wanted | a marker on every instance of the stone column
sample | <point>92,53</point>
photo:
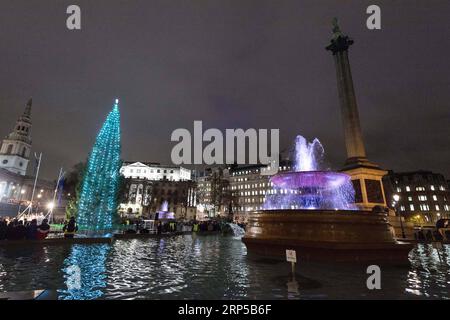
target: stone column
<point>349,111</point>
<point>366,176</point>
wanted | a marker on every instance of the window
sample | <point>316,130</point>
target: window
<point>432,188</point>
<point>409,198</point>
<point>437,207</point>
<point>9,151</point>
<point>442,188</point>
<point>5,161</point>
<point>420,189</point>
<point>408,188</point>
<point>411,207</point>
<point>424,207</point>
<point>402,208</point>
<point>446,207</point>
<point>434,197</point>
<point>422,198</point>
<point>399,189</point>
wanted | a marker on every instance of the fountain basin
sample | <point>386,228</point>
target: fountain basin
<point>310,179</point>
<point>324,235</point>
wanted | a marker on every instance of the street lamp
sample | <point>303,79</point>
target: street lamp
<point>396,198</point>
<point>50,206</point>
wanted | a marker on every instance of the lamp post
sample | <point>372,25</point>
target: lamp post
<point>396,198</point>
<point>22,192</point>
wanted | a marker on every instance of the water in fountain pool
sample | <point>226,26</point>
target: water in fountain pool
<point>207,267</point>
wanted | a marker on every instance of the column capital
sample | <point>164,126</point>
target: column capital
<point>339,44</point>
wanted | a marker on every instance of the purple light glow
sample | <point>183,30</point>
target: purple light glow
<point>307,187</point>
<point>310,179</point>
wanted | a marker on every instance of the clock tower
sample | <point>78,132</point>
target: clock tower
<point>16,147</point>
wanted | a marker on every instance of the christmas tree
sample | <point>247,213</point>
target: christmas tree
<point>98,199</point>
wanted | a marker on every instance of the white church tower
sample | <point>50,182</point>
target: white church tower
<point>16,147</point>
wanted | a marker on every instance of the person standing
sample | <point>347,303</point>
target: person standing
<point>70,229</point>
<point>43,230</point>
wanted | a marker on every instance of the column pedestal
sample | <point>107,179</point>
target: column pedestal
<point>368,185</point>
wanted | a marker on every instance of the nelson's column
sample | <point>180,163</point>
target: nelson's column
<point>366,176</point>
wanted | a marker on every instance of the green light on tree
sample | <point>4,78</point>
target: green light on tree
<point>98,200</point>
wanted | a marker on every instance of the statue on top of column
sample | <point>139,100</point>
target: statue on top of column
<point>336,29</point>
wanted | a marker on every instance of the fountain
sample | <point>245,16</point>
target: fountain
<point>312,211</point>
<point>308,187</point>
<point>164,212</point>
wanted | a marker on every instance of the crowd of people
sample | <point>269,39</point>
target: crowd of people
<point>16,229</point>
<point>24,229</point>
<point>172,226</point>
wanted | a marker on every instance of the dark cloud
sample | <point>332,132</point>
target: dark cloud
<point>231,64</point>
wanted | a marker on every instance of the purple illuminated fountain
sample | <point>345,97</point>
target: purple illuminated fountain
<point>164,212</point>
<point>309,187</point>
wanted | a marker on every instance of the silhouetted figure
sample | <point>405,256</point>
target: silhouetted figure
<point>159,227</point>
<point>32,230</point>
<point>43,230</point>
<point>3,228</point>
<point>20,231</point>
<point>420,235</point>
<point>70,229</point>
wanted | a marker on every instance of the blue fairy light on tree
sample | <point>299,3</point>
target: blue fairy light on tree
<point>98,199</point>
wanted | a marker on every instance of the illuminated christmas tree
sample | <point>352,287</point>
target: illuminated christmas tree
<point>98,199</point>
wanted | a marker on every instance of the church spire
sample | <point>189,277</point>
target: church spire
<point>27,112</point>
<point>15,149</point>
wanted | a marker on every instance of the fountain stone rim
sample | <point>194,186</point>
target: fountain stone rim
<point>310,179</point>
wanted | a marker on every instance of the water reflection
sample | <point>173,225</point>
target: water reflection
<point>208,267</point>
<point>85,272</point>
<point>429,276</point>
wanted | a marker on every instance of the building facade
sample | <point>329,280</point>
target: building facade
<point>234,191</point>
<point>249,188</point>
<point>149,185</point>
<point>154,172</point>
<point>424,195</point>
<point>214,194</point>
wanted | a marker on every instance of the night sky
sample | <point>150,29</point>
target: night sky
<point>232,64</point>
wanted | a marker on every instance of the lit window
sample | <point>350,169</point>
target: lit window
<point>408,188</point>
<point>434,197</point>
<point>442,188</point>
<point>432,187</point>
<point>424,207</point>
<point>402,208</point>
<point>422,198</point>
<point>411,207</point>
<point>399,189</point>
<point>409,198</point>
<point>437,207</point>
<point>420,189</point>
